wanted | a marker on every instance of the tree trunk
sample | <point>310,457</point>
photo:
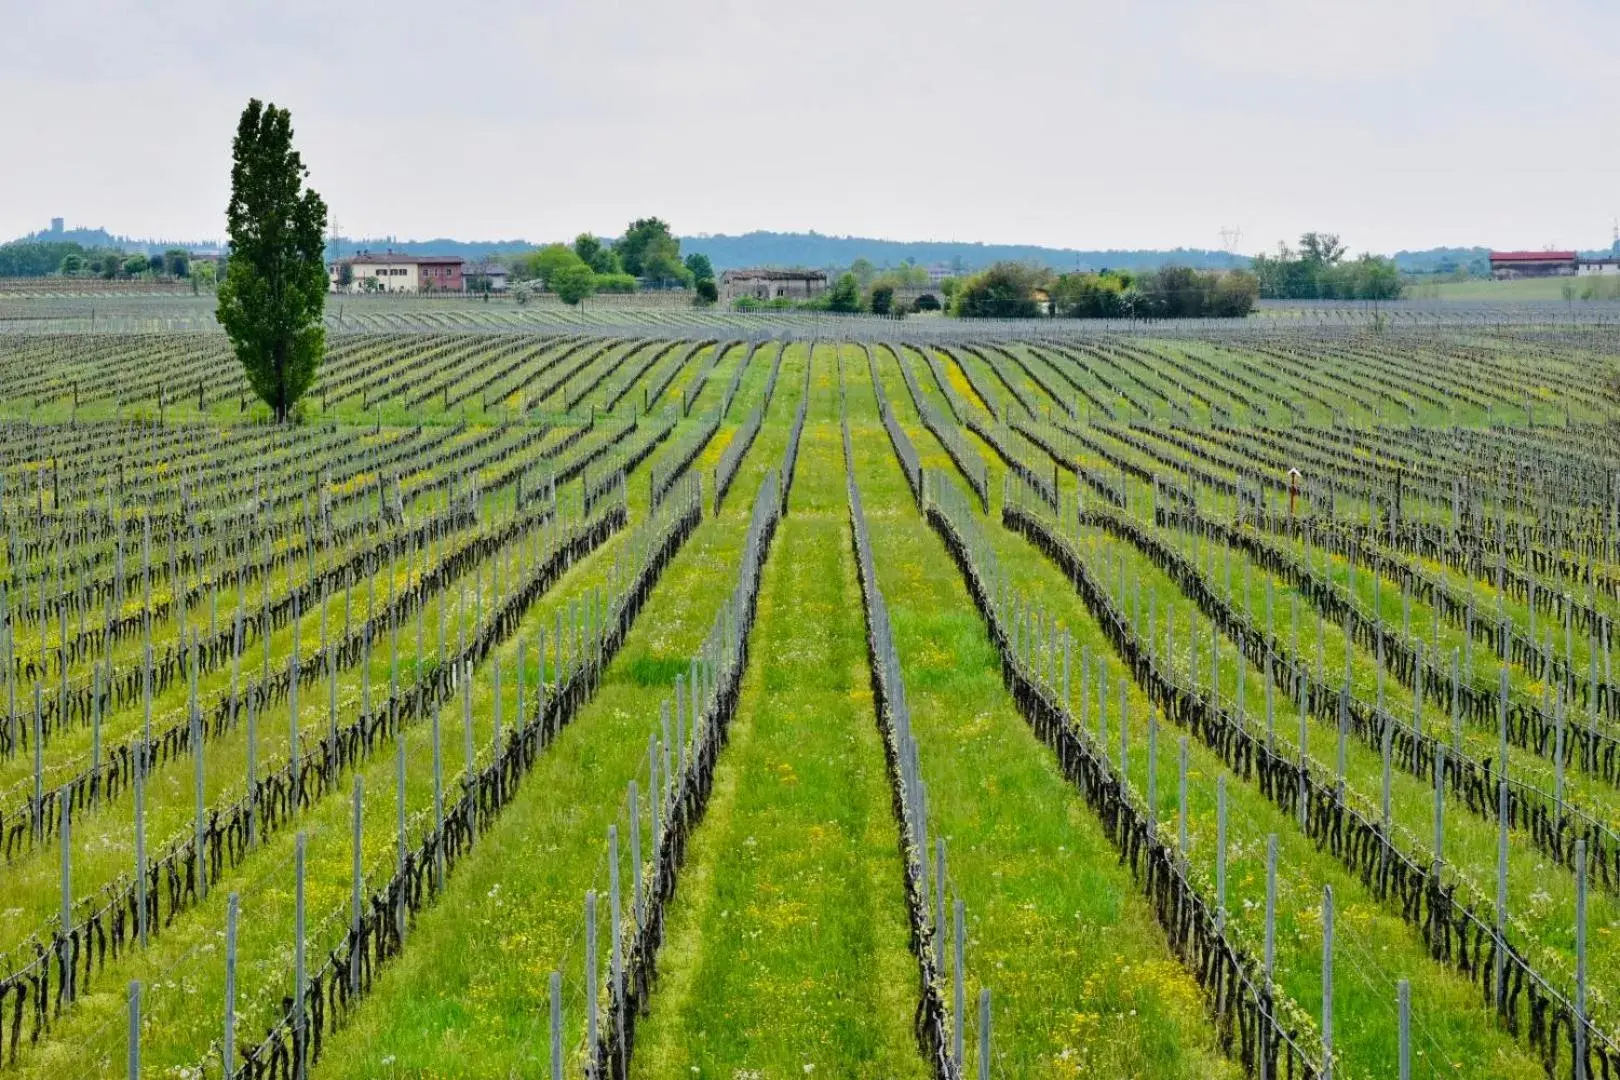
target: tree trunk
<point>281,381</point>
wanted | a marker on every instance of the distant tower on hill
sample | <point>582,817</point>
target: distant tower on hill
<point>56,226</point>
<point>1615,247</point>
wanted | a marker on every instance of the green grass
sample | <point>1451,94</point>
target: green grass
<point>786,945</point>
<point>1082,981</point>
<point>515,910</point>
<point>182,965</point>
<point>786,948</point>
<point>1375,940</point>
<point>1516,290</point>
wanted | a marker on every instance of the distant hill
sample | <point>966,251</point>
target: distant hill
<point>813,249</point>
<point>99,239</point>
<point>471,250</point>
<point>1446,260</point>
<point>818,250</point>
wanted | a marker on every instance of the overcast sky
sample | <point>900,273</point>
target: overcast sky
<point>1080,124</point>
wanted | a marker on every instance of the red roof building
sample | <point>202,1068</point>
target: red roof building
<point>397,272</point>
<point>1513,264</point>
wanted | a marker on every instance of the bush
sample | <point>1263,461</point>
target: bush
<point>1319,271</point>
<point>706,292</point>
<point>845,296</point>
<point>572,283</point>
<point>615,283</point>
<point>882,299</point>
<point>749,303</point>
<point>926,302</point>
<point>1174,292</point>
<point>1235,295</point>
<point>1004,291</point>
<point>1108,295</point>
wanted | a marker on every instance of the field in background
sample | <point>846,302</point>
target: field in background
<point>1519,290</point>
<point>769,641</point>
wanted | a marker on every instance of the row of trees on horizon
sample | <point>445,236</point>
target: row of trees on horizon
<point>68,258</point>
<point>272,293</point>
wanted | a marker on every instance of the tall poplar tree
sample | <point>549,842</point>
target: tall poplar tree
<point>274,290</point>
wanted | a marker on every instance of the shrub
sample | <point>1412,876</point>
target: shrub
<point>845,296</point>
<point>615,283</point>
<point>1004,291</point>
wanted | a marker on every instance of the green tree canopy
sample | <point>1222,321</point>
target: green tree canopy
<point>1108,295</point>
<point>615,283</point>
<point>33,258</point>
<point>664,265</point>
<point>1375,278</point>
<point>572,283</point>
<point>545,263</point>
<point>274,292</point>
<point>649,249</point>
<point>699,266</point>
<point>1319,271</point>
<point>177,262</point>
<point>1321,247</point>
<point>1173,292</point>
<point>1234,295</point>
<point>1006,290</point>
<point>845,295</point>
<point>706,292</point>
<point>597,255</point>
<point>882,299</point>
<point>136,264</point>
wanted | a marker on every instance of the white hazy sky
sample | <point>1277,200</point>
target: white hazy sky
<point>1398,123</point>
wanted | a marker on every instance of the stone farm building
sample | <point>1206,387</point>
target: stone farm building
<point>396,273</point>
<point>766,284</point>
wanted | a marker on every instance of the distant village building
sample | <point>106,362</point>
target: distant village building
<point>1517,264</point>
<point>396,273</point>
<point>485,277</point>
<point>938,273</point>
<point>762,283</point>
<point>1608,266</point>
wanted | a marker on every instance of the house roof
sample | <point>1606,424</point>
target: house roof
<point>392,258</point>
<point>1532,256</point>
<point>772,274</point>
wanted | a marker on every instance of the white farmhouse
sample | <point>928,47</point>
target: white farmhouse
<point>393,272</point>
